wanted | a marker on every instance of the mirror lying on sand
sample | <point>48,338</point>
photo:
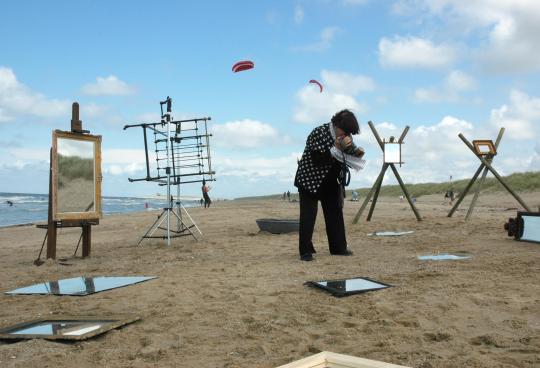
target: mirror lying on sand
<point>80,286</point>
<point>442,257</point>
<point>525,227</point>
<point>64,328</point>
<point>390,233</point>
<point>76,176</point>
<point>346,287</point>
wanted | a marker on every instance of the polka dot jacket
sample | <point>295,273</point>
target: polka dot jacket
<point>316,160</point>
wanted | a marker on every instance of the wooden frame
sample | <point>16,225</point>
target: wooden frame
<point>83,215</point>
<point>328,359</point>
<point>480,143</point>
<point>111,322</point>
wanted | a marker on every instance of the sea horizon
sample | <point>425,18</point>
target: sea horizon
<point>28,208</point>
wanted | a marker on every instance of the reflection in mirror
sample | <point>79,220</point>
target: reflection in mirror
<point>74,328</point>
<point>392,153</point>
<point>531,228</point>
<point>76,177</point>
<point>65,327</point>
<point>81,285</point>
<point>349,286</point>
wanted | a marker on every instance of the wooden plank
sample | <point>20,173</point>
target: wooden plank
<point>328,359</point>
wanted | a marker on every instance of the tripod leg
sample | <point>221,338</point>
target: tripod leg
<point>402,185</point>
<point>368,197</point>
<point>152,228</point>
<point>376,194</point>
<point>465,191</point>
<point>476,193</point>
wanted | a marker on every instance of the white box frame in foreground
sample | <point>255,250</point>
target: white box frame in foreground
<point>328,359</point>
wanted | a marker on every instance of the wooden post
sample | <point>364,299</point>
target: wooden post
<point>376,194</point>
<point>86,239</point>
<point>465,191</point>
<point>402,185</point>
<point>366,201</point>
<point>51,225</point>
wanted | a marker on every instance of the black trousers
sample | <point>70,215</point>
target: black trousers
<point>207,200</point>
<point>330,197</point>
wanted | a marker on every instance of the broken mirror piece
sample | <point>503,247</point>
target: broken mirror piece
<point>64,328</point>
<point>80,286</point>
<point>442,257</point>
<point>346,287</point>
<point>390,233</point>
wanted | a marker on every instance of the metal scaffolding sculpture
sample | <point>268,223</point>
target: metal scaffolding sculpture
<point>485,150</point>
<point>182,155</point>
<point>390,158</point>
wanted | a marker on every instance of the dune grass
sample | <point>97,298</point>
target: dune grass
<point>520,182</point>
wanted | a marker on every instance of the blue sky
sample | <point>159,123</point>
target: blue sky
<point>442,67</point>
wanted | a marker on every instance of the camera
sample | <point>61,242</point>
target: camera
<point>352,149</point>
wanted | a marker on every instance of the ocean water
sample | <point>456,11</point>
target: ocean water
<point>31,208</point>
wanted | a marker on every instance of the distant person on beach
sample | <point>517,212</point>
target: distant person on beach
<point>329,148</point>
<point>284,195</point>
<point>354,196</point>
<point>202,202</point>
<point>289,195</point>
<point>9,203</point>
<point>205,189</point>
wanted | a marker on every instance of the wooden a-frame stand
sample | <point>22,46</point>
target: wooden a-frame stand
<point>486,166</point>
<point>53,225</point>
<point>377,186</point>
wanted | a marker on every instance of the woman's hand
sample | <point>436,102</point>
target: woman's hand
<point>342,142</point>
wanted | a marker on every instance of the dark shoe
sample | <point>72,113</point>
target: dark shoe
<point>306,257</point>
<point>345,253</point>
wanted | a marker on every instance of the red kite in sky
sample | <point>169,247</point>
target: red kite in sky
<point>242,65</point>
<point>317,83</point>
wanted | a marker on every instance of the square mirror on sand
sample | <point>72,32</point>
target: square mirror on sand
<point>346,287</point>
<point>442,257</point>
<point>64,328</point>
<point>390,233</point>
<point>81,286</point>
<point>328,359</point>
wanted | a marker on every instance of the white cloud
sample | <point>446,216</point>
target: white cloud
<point>456,83</point>
<point>326,37</point>
<point>279,169</point>
<point>246,133</point>
<point>508,30</point>
<point>415,52</point>
<point>298,14</point>
<point>340,91</point>
<point>520,118</point>
<point>16,99</point>
<point>347,83</point>
<point>108,86</point>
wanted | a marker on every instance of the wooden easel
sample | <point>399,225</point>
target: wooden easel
<point>377,186</point>
<point>52,225</point>
<point>486,166</point>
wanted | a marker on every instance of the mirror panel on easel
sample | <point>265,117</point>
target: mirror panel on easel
<point>76,176</point>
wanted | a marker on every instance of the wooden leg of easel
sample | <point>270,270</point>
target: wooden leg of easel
<point>376,194</point>
<point>51,240</point>
<point>465,191</point>
<point>476,193</point>
<point>87,239</point>
<point>368,197</point>
<point>402,185</point>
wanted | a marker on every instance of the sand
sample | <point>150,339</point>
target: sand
<point>236,298</point>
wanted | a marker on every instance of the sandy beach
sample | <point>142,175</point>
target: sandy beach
<point>237,297</point>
